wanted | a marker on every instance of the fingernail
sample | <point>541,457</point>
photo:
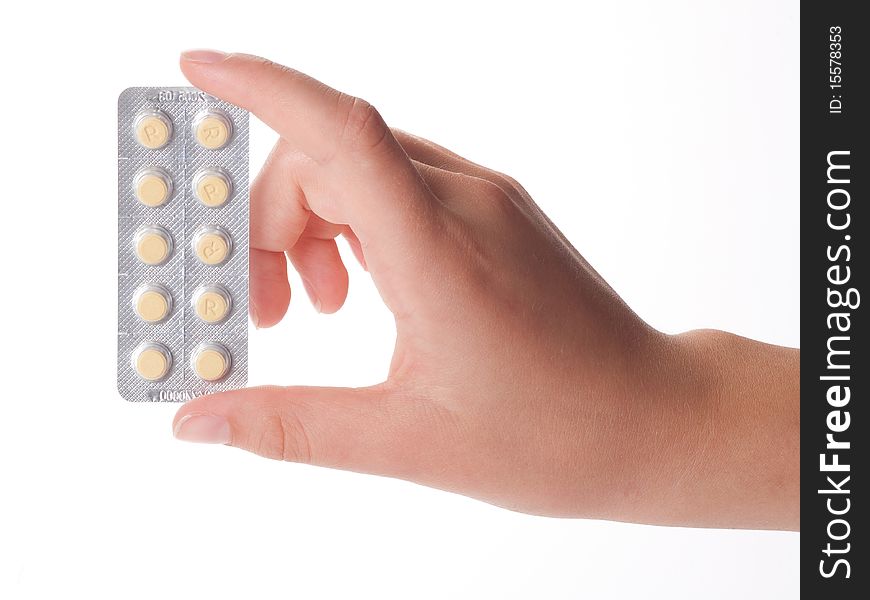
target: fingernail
<point>255,317</point>
<point>314,299</point>
<point>204,429</point>
<point>203,56</point>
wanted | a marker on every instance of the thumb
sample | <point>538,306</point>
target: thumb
<point>372,430</point>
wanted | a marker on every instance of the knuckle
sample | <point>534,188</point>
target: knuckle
<point>273,66</point>
<point>511,183</point>
<point>493,193</point>
<point>364,128</point>
<point>284,437</point>
<point>269,70</point>
<point>497,204</point>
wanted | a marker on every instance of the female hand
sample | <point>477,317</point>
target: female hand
<point>519,376</point>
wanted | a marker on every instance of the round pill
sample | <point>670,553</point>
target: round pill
<point>211,303</point>
<point>151,360</point>
<point>152,302</point>
<point>152,129</point>
<point>212,129</point>
<point>212,245</point>
<point>212,187</point>
<point>210,361</point>
<point>153,245</point>
<point>152,187</point>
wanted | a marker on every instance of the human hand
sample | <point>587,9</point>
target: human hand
<point>519,376</point>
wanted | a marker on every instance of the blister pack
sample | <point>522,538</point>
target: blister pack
<point>183,202</point>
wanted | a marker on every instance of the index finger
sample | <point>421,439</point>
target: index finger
<point>344,135</point>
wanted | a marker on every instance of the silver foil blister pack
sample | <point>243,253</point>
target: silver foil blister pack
<point>183,201</point>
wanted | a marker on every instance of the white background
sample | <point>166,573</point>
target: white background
<point>661,137</point>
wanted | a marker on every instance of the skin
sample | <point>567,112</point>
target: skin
<point>519,376</point>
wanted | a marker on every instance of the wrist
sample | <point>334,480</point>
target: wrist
<point>724,433</point>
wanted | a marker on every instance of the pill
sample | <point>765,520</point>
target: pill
<point>211,303</point>
<point>152,302</point>
<point>210,361</point>
<point>212,129</point>
<point>152,129</point>
<point>151,360</point>
<point>212,187</point>
<point>212,245</point>
<point>153,245</point>
<point>152,187</point>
